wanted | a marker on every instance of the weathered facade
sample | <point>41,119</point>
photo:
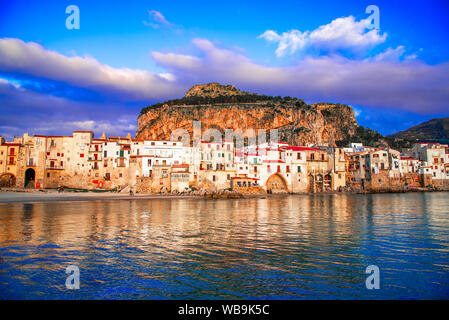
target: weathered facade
<point>152,166</point>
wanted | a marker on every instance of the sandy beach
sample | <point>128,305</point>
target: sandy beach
<point>14,197</point>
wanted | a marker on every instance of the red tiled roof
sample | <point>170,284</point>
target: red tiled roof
<point>408,158</point>
<point>293,148</point>
<point>11,144</point>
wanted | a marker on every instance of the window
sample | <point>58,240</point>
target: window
<point>322,157</point>
<point>105,154</point>
<point>255,169</point>
<point>298,156</point>
<point>149,162</point>
<point>279,168</point>
<point>48,153</point>
<point>58,154</point>
<point>213,178</point>
<point>81,155</point>
<point>312,156</point>
<point>288,169</point>
<point>52,164</point>
<point>62,163</point>
<point>229,177</point>
<point>11,151</point>
<point>48,174</point>
<point>11,160</point>
<point>299,169</point>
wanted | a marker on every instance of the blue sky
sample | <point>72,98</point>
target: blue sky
<point>127,55</point>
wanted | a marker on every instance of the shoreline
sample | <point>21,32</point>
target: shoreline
<point>22,196</point>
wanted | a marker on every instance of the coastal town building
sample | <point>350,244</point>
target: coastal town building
<point>81,161</point>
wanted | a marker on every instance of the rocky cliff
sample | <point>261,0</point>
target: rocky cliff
<point>225,107</point>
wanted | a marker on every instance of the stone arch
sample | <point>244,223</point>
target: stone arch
<point>30,178</point>
<point>7,180</point>
<point>276,183</point>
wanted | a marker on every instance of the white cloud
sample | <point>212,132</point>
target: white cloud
<point>34,112</point>
<point>156,19</point>
<point>184,61</point>
<point>32,59</point>
<point>341,33</point>
<point>410,85</point>
<point>102,126</point>
<point>390,54</point>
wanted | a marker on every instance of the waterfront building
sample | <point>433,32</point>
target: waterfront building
<point>118,163</point>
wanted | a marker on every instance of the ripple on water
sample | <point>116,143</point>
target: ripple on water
<point>292,247</point>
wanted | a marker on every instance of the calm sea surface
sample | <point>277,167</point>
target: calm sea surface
<point>293,247</point>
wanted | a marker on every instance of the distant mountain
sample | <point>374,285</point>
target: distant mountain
<point>435,130</point>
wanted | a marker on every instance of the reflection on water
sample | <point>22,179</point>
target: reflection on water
<point>294,247</point>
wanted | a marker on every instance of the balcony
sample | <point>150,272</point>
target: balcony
<point>96,150</point>
<point>315,159</point>
<point>55,167</point>
<point>30,163</point>
<point>95,159</point>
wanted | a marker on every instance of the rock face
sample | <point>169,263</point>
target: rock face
<point>225,107</point>
<point>213,90</point>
